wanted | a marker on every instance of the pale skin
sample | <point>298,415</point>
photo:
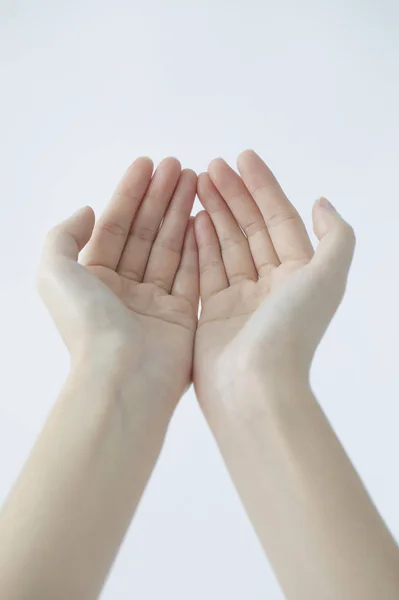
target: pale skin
<point>128,315</point>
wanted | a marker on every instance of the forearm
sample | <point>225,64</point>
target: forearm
<point>66,517</point>
<point>309,508</point>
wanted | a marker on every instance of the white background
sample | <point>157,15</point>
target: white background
<point>86,86</point>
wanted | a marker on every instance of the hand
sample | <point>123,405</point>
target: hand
<point>267,298</point>
<point>135,297</point>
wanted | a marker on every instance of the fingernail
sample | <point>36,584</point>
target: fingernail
<point>324,203</point>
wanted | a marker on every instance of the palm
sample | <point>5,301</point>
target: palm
<point>151,270</point>
<point>250,246</point>
<point>225,315</point>
<point>146,301</point>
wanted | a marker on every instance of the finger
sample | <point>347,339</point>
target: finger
<point>69,290</point>
<point>145,226</point>
<point>286,228</point>
<point>69,237</point>
<point>213,277</point>
<point>166,251</point>
<point>335,250</point>
<point>112,228</point>
<point>59,279</point>
<point>246,212</point>
<point>327,272</point>
<point>236,253</point>
<point>186,283</point>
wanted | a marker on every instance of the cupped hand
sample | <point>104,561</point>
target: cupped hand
<point>135,295</point>
<point>267,297</point>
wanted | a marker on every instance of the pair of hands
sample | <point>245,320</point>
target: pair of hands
<point>128,313</point>
<point>266,296</point>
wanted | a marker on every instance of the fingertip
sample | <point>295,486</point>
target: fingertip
<point>84,218</point>
<point>326,218</point>
<point>189,172</point>
<point>326,205</point>
<point>189,176</point>
<point>144,160</point>
<point>246,153</point>
<point>142,164</point>
<point>203,177</point>
<point>70,236</point>
<point>215,165</point>
<point>245,156</point>
<point>204,229</point>
<point>170,162</point>
<point>90,212</point>
<point>203,183</point>
<point>83,210</point>
<point>323,209</point>
<point>200,217</point>
<point>321,219</point>
<point>81,225</point>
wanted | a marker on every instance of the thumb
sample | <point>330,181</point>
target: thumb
<point>60,280</point>
<point>69,237</point>
<point>335,250</point>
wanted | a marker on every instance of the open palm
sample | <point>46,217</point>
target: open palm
<point>260,279</point>
<point>138,278</point>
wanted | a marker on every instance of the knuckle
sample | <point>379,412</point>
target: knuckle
<point>209,266</point>
<point>173,245</point>
<point>280,216</point>
<point>253,227</point>
<point>160,283</point>
<point>144,233</point>
<point>264,188</point>
<point>237,277</point>
<point>265,269</point>
<point>226,243</point>
<point>131,274</point>
<point>113,228</point>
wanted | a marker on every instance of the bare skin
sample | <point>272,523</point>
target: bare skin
<point>267,299</point>
<point>260,280</point>
<point>128,315</point>
<point>150,298</point>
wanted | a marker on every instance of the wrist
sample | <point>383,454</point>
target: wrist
<point>112,373</point>
<point>107,354</point>
<point>247,393</point>
<point>126,361</point>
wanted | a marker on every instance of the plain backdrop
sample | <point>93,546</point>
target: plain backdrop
<point>86,87</point>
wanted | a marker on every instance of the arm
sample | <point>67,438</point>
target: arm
<point>128,316</point>
<point>65,519</point>
<point>267,299</point>
<point>308,506</point>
